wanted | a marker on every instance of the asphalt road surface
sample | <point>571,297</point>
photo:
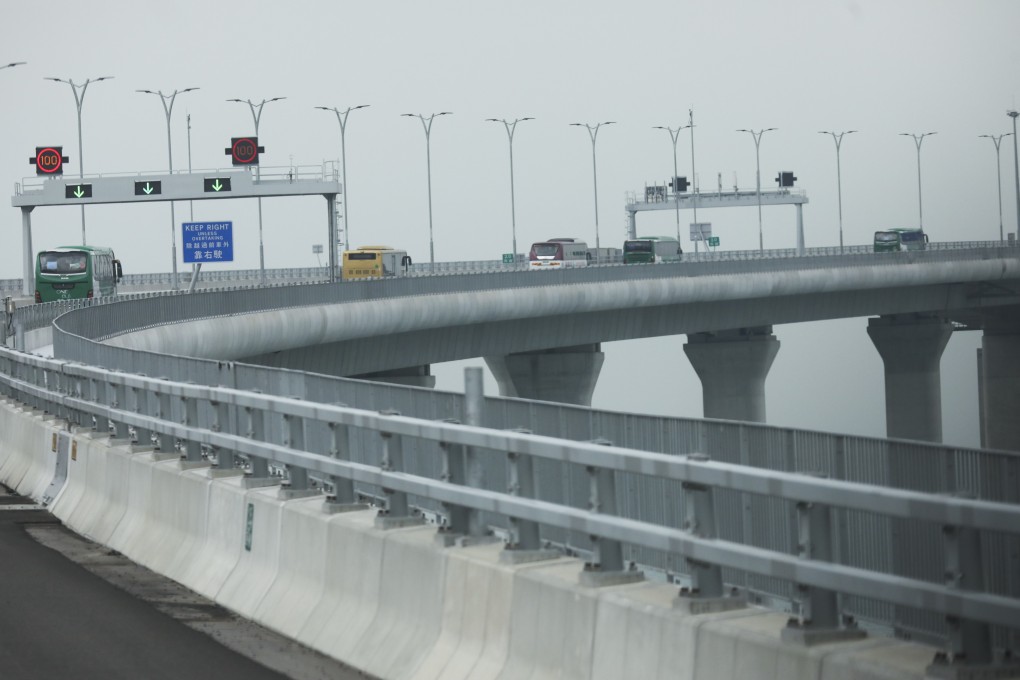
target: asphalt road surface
<point>72,609</point>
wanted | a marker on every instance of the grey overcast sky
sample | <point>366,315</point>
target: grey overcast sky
<point>878,66</point>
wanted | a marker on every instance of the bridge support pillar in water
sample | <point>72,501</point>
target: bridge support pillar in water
<point>732,366</point>
<point>1000,376</point>
<point>911,348</point>
<point>562,374</point>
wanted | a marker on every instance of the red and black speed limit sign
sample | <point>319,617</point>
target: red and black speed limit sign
<point>244,150</point>
<point>49,160</point>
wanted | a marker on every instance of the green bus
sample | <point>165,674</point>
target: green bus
<point>900,238</point>
<point>72,272</point>
<point>651,249</point>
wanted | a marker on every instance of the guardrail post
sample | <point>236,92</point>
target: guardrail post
<point>221,423</point>
<point>462,466</point>
<point>139,403</point>
<point>706,592</point>
<point>606,566</point>
<point>969,653</point>
<point>524,543</point>
<point>120,429</point>
<point>819,620</point>
<point>193,450</point>
<point>294,438</point>
<point>256,430</point>
<point>343,498</point>
<point>397,512</point>
<point>164,441</point>
<point>99,397</point>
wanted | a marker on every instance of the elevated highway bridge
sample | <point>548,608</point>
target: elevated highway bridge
<point>729,510</point>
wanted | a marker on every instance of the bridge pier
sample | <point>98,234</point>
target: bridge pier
<point>1000,375</point>
<point>911,348</point>
<point>732,366</point>
<point>562,374</point>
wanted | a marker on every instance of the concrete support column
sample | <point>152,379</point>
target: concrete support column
<point>27,256</point>
<point>563,374</point>
<point>1000,378</point>
<point>732,366</point>
<point>911,349</point>
<point>414,376</point>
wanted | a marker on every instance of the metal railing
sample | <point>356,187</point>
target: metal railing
<point>414,466</point>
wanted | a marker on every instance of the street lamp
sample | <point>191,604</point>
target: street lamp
<point>838,138</point>
<point>998,170</point>
<point>256,114</point>
<point>168,107</point>
<point>674,134</point>
<point>917,142</point>
<point>426,124</point>
<point>341,117</point>
<point>510,128</point>
<point>757,163</point>
<point>593,132</point>
<point>1016,172</point>
<point>79,98</point>
<point>13,63</point>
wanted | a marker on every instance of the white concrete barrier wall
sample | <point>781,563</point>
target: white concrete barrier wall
<point>395,603</point>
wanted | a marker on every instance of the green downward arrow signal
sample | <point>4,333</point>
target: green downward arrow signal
<point>216,186</point>
<point>147,188</point>
<point>78,191</point>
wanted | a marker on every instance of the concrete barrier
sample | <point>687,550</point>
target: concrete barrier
<point>396,604</point>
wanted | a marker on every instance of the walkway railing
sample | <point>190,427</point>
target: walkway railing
<point>412,466</point>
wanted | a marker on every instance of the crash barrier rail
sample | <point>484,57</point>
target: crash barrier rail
<point>489,481</point>
<point>235,277</point>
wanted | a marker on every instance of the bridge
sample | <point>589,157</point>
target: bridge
<point>844,535</point>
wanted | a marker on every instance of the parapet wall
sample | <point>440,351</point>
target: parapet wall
<point>396,603</point>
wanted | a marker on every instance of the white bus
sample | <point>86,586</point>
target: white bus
<point>556,253</point>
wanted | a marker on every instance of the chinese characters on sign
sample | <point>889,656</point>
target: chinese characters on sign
<point>208,241</point>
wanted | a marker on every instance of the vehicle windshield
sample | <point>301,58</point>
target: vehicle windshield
<point>912,236</point>
<point>361,256</point>
<point>886,236</point>
<point>63,263</point>
<point>546,250</point>
<point>637,246</point>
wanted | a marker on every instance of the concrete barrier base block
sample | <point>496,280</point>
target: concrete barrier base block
<point>122,441</point>
<point>160,456</point>
<point>795,633</point>
<point>512,556</point>
<point>707,605</point>
<point>293,494</point>
<point>590,578</point>
<point>386,522</point>
<point>135,448</point>
<point>260,482</point>
<point>332,507</point>
<point>193,464</point>
<point>944,670</point>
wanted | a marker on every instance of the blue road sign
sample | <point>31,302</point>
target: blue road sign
<point>208,241</point>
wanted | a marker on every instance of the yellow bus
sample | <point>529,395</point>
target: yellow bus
<point>374,262</point>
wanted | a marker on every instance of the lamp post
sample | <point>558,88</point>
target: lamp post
<point>13,63</point>
<point>674,134</point>
<point>426,124</point>
<point>757,164</point>
<point>168,107</point>
<point>838,138</point>
<point>79,98</point>
<point>341,117</point>
<point>998,172</point>
<point>593,133</point>
<point>510,128</point>
<point>256,114</point>
<point>917,143</point>
<point>1016,172</point>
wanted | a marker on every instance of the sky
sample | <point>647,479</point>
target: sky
<point>881,67</point>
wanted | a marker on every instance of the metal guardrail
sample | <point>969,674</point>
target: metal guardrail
<point>367,458</point>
